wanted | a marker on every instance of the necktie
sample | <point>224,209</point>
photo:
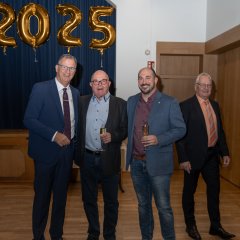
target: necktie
<point>212,138</point>
<point>66,110</point>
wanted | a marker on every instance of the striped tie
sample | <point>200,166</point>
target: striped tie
<point>66,110</point>
<point>212,128</point>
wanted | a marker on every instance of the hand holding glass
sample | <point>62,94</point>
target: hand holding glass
<point>145,131</point>
<point>103,130</point>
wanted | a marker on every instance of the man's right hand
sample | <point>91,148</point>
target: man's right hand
<point>186,166</point>
<point>61,139</point>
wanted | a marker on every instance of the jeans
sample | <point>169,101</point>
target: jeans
<point>159,186</point>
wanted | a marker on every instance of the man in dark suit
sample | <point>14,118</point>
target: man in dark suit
<point>51,145</point>
<point>159,118</point>
<point>99,156</point>
<point>199,153</point>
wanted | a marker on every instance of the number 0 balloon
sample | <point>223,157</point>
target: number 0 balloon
<point>23,22</point>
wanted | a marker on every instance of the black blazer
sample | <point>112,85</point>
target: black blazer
<point>116,124</point>
<point>194,145</point>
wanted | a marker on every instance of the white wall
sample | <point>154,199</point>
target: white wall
<point>141,23</point>
<point>222,15</point>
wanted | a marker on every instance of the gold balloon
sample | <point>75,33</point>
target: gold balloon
<point>23,22</point>
<point>63,36</point>
<point>98,26</point>
<point>5,24</point>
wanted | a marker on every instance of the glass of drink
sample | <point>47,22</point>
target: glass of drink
<point>145,131</point>
<point>103,130</point>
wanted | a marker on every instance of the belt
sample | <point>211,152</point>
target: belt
<point>93,152</point>
<point>140,157</point>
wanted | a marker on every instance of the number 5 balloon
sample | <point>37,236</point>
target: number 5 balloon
<point>96,25</point>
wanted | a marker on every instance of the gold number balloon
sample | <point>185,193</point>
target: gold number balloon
<point>5,24</point>
<point>63,36</point>
<point>96,25</point>
<point>23,22</point>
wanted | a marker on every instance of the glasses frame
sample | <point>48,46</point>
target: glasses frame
<point>66,68</point>
<point>202,85</point>
<point>96,82</point>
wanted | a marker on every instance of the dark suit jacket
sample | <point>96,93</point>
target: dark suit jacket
<point>116,124</point>
<point>43,117</point>
<point>193,147</point>
<point>166,122</point>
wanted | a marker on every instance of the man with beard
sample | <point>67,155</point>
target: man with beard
<point>159,118</point>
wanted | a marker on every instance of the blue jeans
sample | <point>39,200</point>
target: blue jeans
<point>159,186</point>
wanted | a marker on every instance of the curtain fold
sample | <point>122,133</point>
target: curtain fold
<point>19,69</point>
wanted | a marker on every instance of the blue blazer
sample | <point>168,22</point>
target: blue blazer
<point>166,122</point>
<point>43,117</point>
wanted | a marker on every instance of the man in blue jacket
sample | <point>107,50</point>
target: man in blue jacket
<point>51,117</point>
<point>151,156</point>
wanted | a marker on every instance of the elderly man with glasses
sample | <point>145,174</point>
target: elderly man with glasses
<point>51,117</point>
<point>199,151</point>
<point>103,126</point>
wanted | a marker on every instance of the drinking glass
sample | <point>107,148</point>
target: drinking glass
<point>102,131</point>
<point>145,131</point>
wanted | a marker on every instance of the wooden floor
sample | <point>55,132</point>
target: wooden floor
<point>16,207</point>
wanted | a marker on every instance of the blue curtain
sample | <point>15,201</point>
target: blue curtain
<point>19,69</point>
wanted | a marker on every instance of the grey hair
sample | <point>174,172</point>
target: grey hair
<point>203,74</point>
<point>68,56</point>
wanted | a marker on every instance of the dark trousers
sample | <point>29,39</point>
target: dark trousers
<point>211,176</point>
<point>51,180</point>
<point>91,176</point>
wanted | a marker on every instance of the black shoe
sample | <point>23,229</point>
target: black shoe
<point>221,233</point>
<point>91,237</point>
<point>193,232</point>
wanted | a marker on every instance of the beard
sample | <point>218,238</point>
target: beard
<point>148,89</point>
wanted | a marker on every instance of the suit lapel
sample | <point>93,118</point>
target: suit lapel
<point>132,110</point>
<point>55,95</point>
<point>112,106</point>
<point>75,105</point>
<point>85,105</point>
<point>199,113</point>
<point>155,107</point>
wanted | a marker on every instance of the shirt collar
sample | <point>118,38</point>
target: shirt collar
<point>151,98</point>
<point>105,98</point>
<point>60,87</point>
<point>201,100</point>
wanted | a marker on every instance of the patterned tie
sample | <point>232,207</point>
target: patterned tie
<point>212,128</point>
<point>66,110</point>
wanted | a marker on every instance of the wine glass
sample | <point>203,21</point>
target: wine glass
<point>145,131</point>
<point>103,130</point>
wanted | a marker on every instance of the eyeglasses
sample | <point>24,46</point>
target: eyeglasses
<point>97,82</point>
<point>66,68</point>
<point>202,85</point>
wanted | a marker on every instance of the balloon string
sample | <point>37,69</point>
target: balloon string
<point>101,61</point>
<point>5,50</point>
<point>35,55</point>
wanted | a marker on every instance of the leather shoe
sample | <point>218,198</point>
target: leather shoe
<point>193,232</point>
<point>221,233</point>
<point>91,237</point>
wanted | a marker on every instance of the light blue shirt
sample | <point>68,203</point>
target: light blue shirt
<point>97,115</point>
